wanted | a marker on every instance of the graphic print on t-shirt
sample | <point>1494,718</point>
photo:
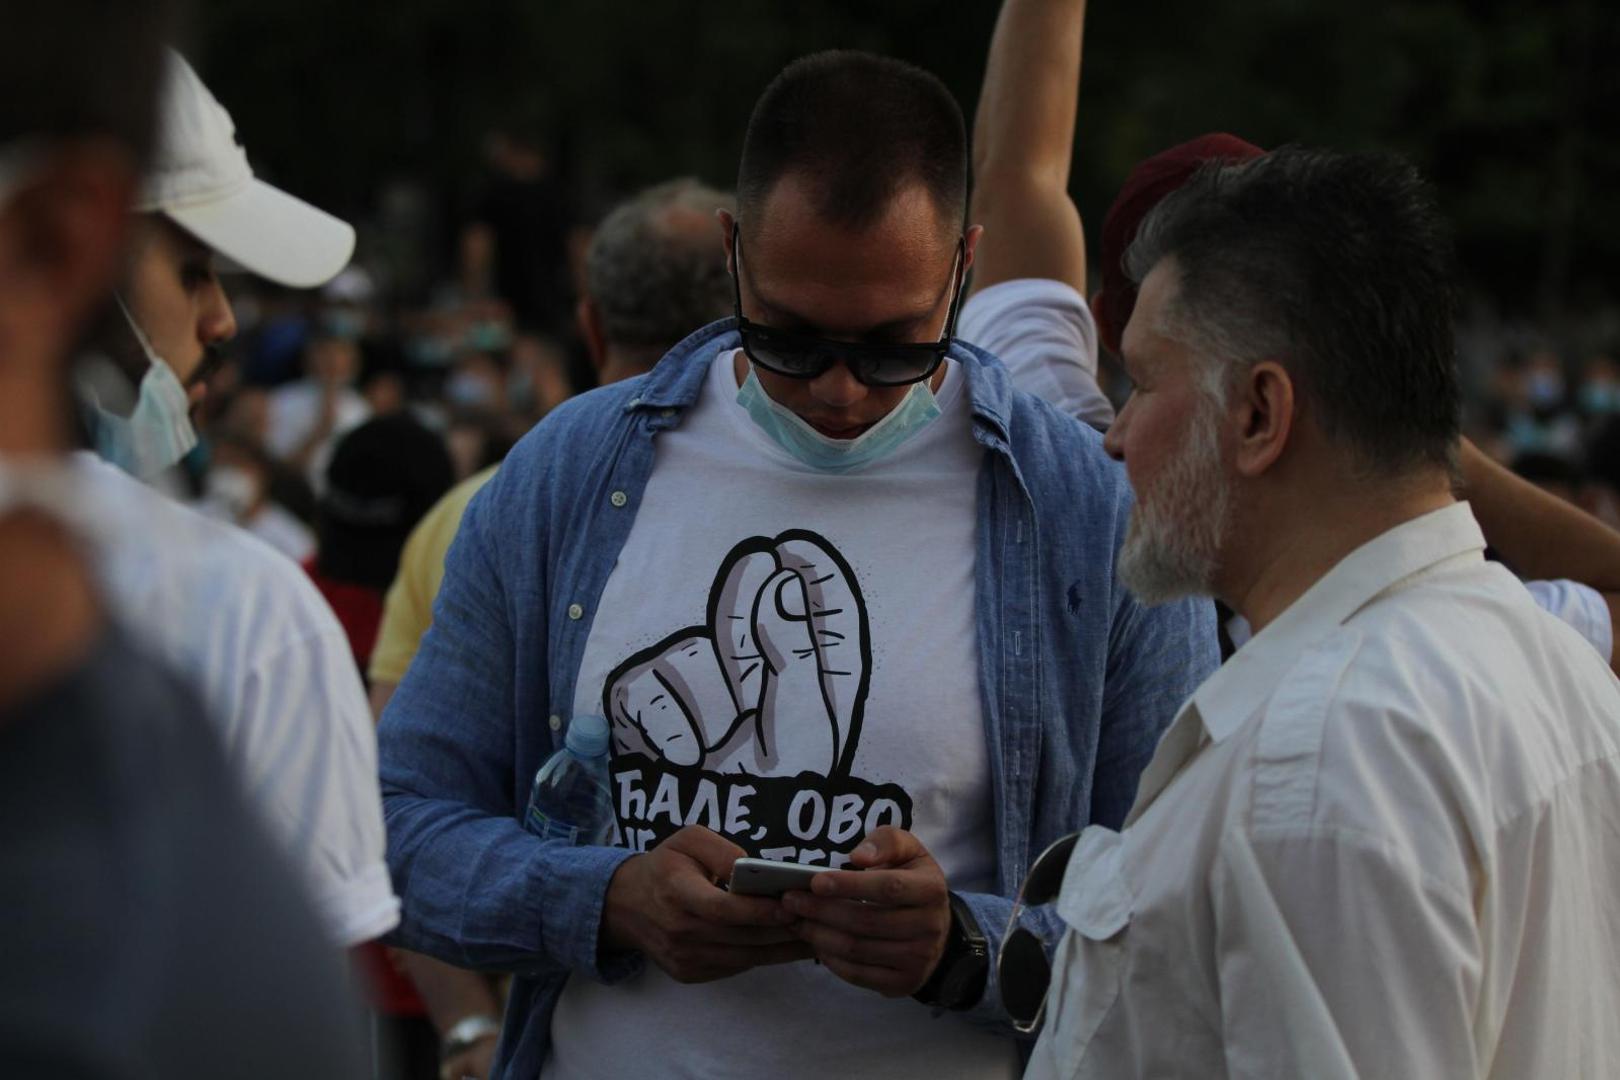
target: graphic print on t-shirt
<point>748,724</point>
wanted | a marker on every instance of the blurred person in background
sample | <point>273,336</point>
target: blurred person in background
<point>309,415</point>
<point>384,475</point>
<point>1599,394</point>
<point>1027,305</point>
<point>240,488</point>
<point>656,273</point>
<point>515,242</point>
<point>151,929</point>
<point>240,620</point>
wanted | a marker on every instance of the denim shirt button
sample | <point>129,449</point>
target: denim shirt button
<point>667,413</point>
<point>575,611</point>
<point>555,722</point>
<point>618,498</point>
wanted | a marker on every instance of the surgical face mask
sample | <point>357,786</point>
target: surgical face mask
<point>1599,397</point>
<point>469,390</point>
<point>157,433</point>
<point>231,492</point>
<point>916,411</point>
<point>1545,389</point>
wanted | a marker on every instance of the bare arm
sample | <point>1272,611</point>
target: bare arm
<point>1023,141</point>
<point>1540,535</point>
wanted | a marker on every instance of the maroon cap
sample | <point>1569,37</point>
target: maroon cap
<point>1148,183</point>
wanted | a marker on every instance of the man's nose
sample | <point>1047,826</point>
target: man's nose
<point>838,387</point>
<point>216,321</point>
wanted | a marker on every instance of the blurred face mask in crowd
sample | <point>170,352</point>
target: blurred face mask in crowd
<point>157,433</point>
<point>470,390</point>
<point>231,492</point>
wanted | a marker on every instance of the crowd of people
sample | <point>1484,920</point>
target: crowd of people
<point>1241,704</point>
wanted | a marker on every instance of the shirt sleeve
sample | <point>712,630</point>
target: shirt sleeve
<point>1582,607</point>
<point>309,748</point>
<point>1157,657</point>
<point>1339,958</point>
<point>480,891</point>
<point>1043,332</point>
<point>407,612</point>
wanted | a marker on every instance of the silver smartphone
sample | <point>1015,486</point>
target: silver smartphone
<point>765,877</point>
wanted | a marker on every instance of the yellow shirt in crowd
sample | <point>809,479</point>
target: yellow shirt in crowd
<point>408,611</point>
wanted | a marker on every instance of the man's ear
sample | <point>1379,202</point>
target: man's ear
<point>1107,335</point>
<point>65,232</point>
<point>728,227</point>
<point>589,318</point>
<point>970,241</point>
<point>1263,404</point>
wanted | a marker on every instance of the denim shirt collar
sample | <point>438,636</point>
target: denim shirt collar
<point>678,380</point>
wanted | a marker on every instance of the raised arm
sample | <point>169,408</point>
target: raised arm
<point>1023,140</point>
<point>1540,535</point>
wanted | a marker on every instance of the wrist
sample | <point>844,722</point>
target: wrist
<point>959,978</point>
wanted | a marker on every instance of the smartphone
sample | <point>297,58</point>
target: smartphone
<point>763,877</point>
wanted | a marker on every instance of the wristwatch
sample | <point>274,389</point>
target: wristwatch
<point>958,982</point>
<point>465,1033</point>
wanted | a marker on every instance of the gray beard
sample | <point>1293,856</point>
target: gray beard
<point>1172,545</point>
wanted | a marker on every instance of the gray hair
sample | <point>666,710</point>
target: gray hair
<point>1339,266</point>
<point>656,268</point>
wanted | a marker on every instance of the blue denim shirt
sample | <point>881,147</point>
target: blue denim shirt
<point>1078,679</point>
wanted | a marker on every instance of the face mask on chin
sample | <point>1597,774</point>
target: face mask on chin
<point>157,433</point>
<point>916,411</point>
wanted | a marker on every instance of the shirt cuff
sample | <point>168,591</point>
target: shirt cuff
<point>580,889</point>
<point>361,908</point>
<point>991,913</point>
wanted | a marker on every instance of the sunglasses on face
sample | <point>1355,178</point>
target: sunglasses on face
<point>807,356</point>
<point>1022,968</point>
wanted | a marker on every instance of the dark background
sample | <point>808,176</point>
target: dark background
<point>1510,107</point>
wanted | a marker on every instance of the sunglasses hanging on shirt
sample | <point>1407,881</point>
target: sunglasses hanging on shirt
<point>1022,968</point>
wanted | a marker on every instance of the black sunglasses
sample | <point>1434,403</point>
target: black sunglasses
<point>1022,968</point>
<point>806,356</point>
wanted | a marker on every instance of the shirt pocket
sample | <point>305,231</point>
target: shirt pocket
<point>1096,904</point>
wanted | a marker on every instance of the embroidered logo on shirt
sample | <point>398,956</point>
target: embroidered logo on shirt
<point>748,724</point>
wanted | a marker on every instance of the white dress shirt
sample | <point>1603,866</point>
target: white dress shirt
<point>1382,841</point>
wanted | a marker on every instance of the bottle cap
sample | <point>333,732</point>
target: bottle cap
<point>587,736</point>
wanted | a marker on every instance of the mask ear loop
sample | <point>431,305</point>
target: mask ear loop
<point>135,327</point>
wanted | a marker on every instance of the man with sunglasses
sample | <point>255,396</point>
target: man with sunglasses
<point>845,598</point>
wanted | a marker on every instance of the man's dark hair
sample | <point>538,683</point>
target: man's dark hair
<point>75,68</point>
<point>860,128</point>
<point>1339,266</point>
<point>656,270</point>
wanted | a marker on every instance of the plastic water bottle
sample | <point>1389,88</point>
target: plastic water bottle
<point>571,800</point>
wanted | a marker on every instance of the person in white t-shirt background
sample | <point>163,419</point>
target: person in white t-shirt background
<point>1029,305</point>
<point>309,416</point>
<point>237,618</point>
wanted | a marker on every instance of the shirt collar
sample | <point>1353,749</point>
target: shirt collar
<point>1228,697</point>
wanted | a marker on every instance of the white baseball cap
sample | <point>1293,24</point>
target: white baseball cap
<point>200,179</point>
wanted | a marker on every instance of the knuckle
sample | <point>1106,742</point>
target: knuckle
<point>893,889</point>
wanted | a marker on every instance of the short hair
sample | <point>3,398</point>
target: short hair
<point>77,68</point>
<point>656,269</point>
<point>860,128</point>
<point>1339,266</point>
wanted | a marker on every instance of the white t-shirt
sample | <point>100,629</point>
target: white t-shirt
<point>295,409</point>
<point>731,710</point>
<point>270,661</point>
<point>1043,332</point>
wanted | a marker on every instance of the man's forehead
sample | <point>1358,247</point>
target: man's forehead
<point>1146,329</point>
<point>792,217</point>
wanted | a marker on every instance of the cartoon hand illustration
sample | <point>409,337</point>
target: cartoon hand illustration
<point>774,684</point>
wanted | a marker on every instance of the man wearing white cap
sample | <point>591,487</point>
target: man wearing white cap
<point>240,620</point>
